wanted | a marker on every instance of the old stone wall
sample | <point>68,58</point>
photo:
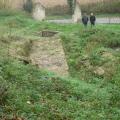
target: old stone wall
<point>39,12</point>
<point>77,16</point>
<point>48,3</point>
<point>14,4</point>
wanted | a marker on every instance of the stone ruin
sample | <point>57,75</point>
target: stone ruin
<point>39,12</point>
<point>77,16</point>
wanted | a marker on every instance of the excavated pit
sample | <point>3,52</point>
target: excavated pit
<point>48,53</point>
<point>48,33</point>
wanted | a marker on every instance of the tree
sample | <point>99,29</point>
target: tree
<point>28,6</point>
<point>70,3</point>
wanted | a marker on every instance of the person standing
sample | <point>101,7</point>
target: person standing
<point>92,19</point>
<point>85,20</point>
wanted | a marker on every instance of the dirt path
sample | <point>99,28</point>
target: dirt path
<point>112,20</point>
<point>48,53</point>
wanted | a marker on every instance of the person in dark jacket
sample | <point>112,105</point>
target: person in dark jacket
<point>85,20</point>
<point>92,19</point>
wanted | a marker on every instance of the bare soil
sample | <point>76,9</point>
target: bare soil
<point>48,53</point>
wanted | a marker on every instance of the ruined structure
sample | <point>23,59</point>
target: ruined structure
<point>18,4</point>
<point>54,7</point>
<point>41,8</point>
<point>77,13</point>
<point>48,53</point>
<point>39,11</point>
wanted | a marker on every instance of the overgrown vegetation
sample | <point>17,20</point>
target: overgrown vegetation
<point>107,6</point>
<point>91,92</point>
<point>91,48</point>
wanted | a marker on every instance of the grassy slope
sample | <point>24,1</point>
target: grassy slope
<point>35,94</point>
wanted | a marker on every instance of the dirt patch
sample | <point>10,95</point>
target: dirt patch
<point>46,53</point>
<point>49,54</point>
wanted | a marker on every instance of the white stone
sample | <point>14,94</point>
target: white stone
<point>39,12</point>
<point>77,13</point>
<point>28,102</point>
<point>99,71</point>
